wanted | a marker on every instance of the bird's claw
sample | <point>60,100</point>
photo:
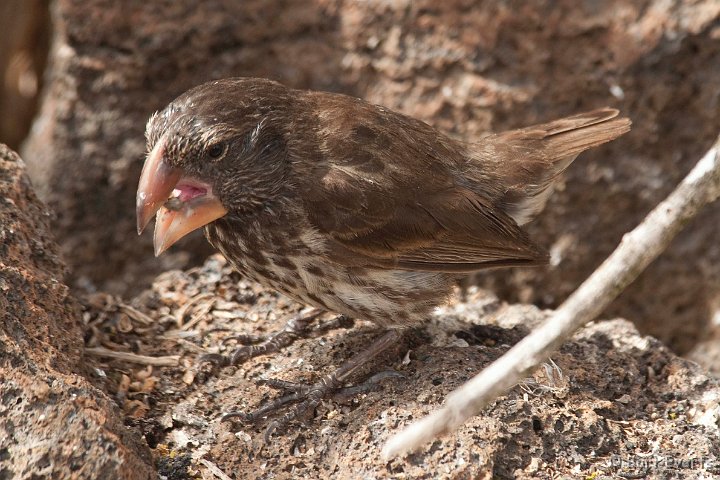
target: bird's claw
<point>216,359</point>
<point>255,345</point>
<point>346,394</point>
<point>305,397</point>
<point>244,339</point>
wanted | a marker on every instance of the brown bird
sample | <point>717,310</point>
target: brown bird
<point>347,206</point>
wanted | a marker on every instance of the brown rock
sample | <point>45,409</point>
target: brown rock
<point>53,423</point>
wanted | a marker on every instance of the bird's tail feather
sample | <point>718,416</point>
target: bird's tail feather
<point>538,154</point>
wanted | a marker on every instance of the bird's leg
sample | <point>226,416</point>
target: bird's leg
<point>307,397</point>
<point>297,326</point>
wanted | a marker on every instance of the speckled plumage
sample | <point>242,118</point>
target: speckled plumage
<point>359,210</point>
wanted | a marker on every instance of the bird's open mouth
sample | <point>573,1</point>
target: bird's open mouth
<point>180,203</point>
<point>185,191</point>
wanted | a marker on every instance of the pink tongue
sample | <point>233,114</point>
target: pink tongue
<point>188,192</point>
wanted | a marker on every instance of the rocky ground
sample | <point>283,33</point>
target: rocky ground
<point>99,373</point>
<point>609,396</point>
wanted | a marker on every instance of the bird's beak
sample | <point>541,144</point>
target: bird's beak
<point>182,203</point>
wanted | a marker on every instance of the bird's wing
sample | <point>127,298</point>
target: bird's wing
<point>384,190</point>
<point>451,232</point>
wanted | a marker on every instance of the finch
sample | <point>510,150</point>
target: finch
<point>346,206</point>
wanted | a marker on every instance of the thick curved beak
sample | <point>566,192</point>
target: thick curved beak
<point>182,203</point>
<point>157,181</point>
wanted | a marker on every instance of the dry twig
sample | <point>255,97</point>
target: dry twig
<point>136,314</point>
<point>166,361</point>
<point>214,469</point>
<point>180,314</point>
<point>635,252</point>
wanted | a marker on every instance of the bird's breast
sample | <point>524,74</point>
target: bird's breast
<point>294,261</point>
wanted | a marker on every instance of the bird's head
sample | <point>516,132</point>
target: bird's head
<point>218,149</point>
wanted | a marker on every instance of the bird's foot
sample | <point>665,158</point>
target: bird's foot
<point>252,346</point>
<point>305,398</point>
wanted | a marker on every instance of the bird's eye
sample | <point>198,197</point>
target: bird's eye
<point>216,150</point>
